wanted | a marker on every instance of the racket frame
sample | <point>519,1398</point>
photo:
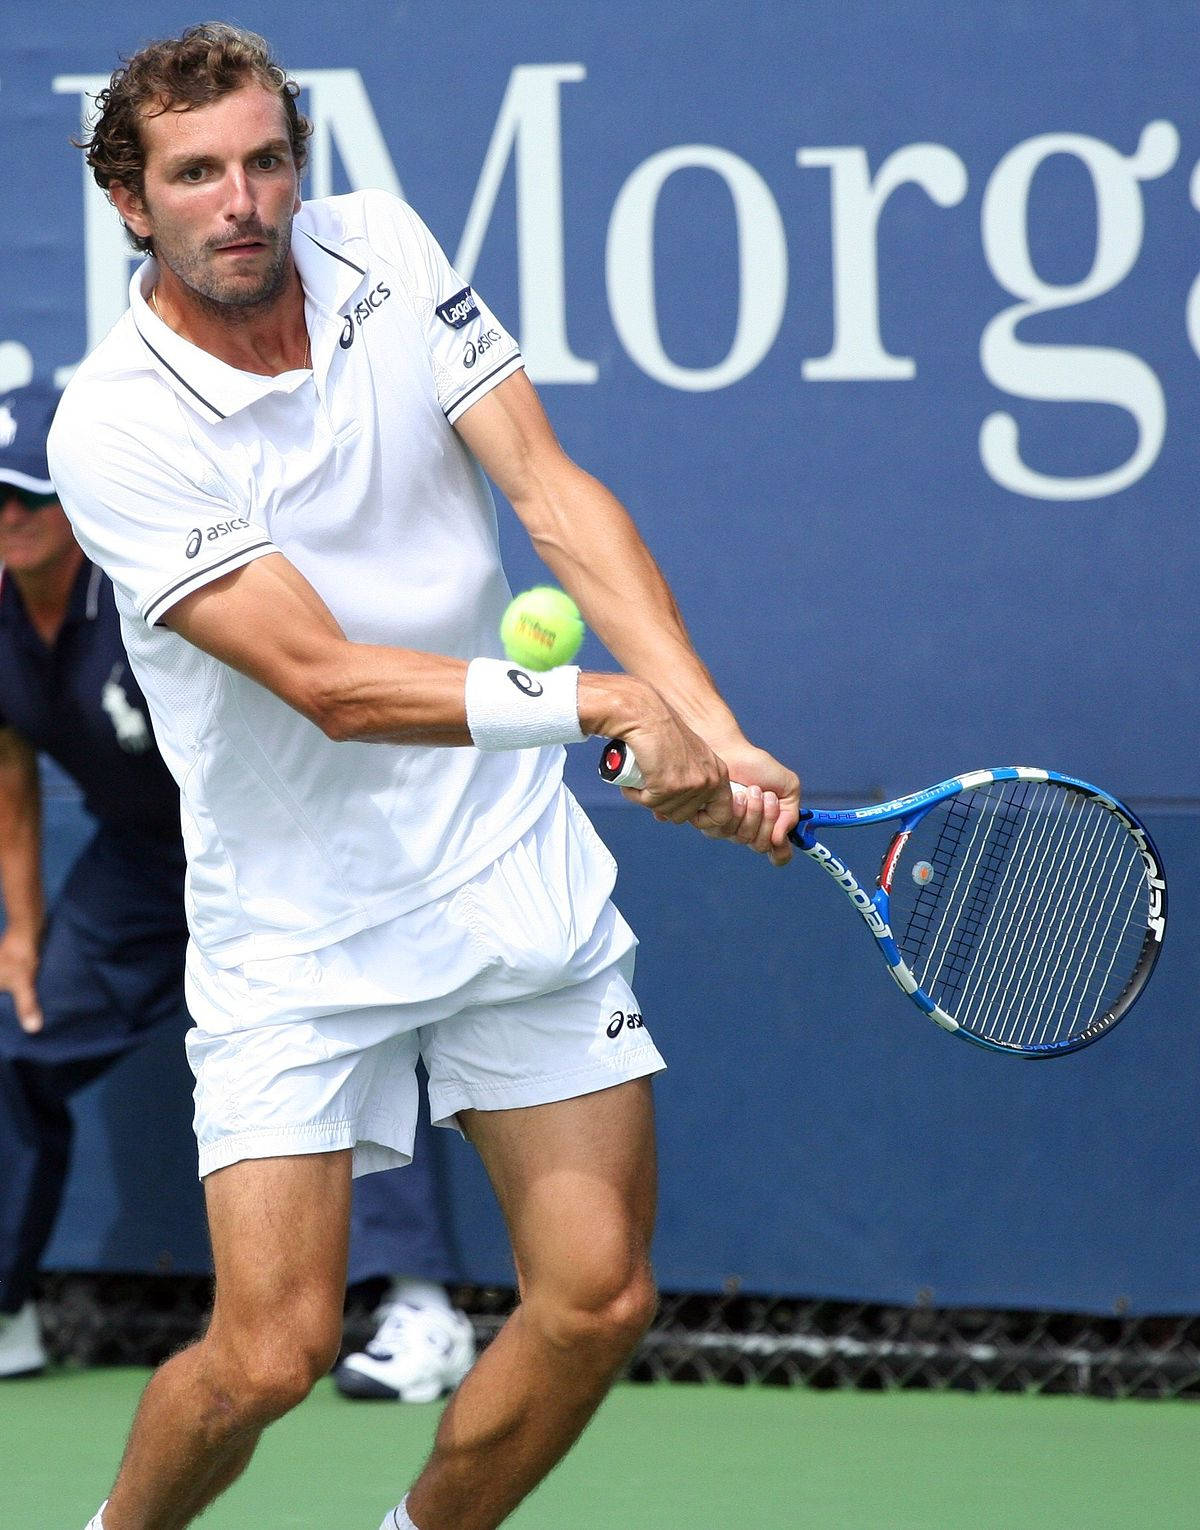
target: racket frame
<point>618,766</point>
<point>874,908</point>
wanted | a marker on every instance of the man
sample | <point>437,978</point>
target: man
<point>97,977</point>
<point>276,455</point>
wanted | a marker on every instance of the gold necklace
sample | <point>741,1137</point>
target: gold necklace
<point>306,365</point>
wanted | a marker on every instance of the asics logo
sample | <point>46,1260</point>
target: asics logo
<point>525,682</point>
<point>361,312</point>
<point>622,1020</point>
<point>198,535</point>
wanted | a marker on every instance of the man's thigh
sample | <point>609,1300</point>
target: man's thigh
<point>576,1180</point>
<point>279,1229</point>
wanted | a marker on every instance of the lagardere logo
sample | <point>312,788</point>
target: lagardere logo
<point>458,310</point>
<point>198,535</point>
<point>361,312</point>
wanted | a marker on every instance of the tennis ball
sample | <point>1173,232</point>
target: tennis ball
<point>541,628</point>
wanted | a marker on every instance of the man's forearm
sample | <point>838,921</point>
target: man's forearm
<point>624,598</point>
<point>20,838</point>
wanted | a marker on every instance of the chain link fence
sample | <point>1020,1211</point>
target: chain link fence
<point>734,1339</point>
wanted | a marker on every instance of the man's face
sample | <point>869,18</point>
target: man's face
<point>32,541</point>
<point>219,195</point>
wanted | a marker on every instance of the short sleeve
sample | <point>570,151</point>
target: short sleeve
<point>470,351</point>
<point>144,507</point>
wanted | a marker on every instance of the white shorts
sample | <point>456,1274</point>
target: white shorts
<point>514,990</point>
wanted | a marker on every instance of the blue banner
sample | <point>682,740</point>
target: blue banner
<point>885,323</point>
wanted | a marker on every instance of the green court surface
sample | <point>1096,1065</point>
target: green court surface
<point>664,1457</point>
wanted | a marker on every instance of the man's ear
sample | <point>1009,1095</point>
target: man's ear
<point>131,209</point>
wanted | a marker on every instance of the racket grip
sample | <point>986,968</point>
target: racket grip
<point>618,766</point>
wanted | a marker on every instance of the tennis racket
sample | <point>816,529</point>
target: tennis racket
<point>1020,909</point>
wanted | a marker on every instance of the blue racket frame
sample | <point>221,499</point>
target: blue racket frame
<point>874,907</point>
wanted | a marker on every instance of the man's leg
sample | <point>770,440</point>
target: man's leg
<point>422,1347</point>
<point>35,1145</point>
<point>279,1229</point>
<point>577,1184</point>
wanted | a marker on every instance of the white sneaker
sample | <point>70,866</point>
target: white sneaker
<point>418,1354</point>
<point>21,1352</point>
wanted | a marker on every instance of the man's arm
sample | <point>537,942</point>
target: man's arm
<point>587,538</point>
<point>266,620</point>
<point>21,875</point>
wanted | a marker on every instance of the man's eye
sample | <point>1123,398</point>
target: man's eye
<point>193,173</point>
<point>267,161</point>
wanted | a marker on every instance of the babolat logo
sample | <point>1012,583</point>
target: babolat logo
<point>848,882</point>
<point>621,1020</point>
<point>458,310</point>
<point>361,312</point>
<point>1156,916</point>
<point>198,536</point>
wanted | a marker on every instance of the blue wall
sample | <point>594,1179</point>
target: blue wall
<point>882,321</point>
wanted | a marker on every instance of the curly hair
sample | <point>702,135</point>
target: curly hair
<point>205,63</point>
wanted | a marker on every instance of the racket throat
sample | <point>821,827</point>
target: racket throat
<point>873,912</point>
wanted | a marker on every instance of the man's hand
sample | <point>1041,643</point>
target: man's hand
<point>682,773</point>
<point>18,975</point>
<point>765,812</point>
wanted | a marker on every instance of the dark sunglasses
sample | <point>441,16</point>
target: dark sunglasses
<point>26,497</point>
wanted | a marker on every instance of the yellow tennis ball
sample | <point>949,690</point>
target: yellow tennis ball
<point>541,628</point>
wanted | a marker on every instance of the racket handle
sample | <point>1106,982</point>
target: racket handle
<point>618,766</point>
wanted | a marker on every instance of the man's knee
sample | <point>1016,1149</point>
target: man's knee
<point>266,1369</point>
<point>605,1311</point>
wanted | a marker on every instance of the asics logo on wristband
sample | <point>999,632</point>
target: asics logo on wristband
<point>525,682</point>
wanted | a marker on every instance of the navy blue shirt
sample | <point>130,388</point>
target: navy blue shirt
<point>78,702</point>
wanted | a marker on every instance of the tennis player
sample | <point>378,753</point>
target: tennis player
<point>99,971</point>
<point>278,455</point>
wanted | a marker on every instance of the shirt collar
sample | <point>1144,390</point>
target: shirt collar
<point>83,603</point>
<point>210,386</point>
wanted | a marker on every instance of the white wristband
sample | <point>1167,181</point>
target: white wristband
<point>513,708</point>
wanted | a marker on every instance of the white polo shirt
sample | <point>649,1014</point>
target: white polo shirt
<point>176,469</point>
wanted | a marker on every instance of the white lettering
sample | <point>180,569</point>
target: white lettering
<point>1063,373</point>
<point>107,254</point>
<point>858,353</point>
<point>530,124</point>
<point>341,114</point>
<point>762,267</point>
<point>16,365</point>
<point>1193,301</point>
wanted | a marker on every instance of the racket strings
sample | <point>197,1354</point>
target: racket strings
<point>1038,955</point>
<point>1060,990</point>
<point>1032,919</point>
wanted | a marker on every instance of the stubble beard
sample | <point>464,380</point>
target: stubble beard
<point>223,298</point>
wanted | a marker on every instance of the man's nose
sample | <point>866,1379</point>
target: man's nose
<point>239,200</point>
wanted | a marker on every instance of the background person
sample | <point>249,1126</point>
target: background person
<point>85,984</point>
<point>95,976</point>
